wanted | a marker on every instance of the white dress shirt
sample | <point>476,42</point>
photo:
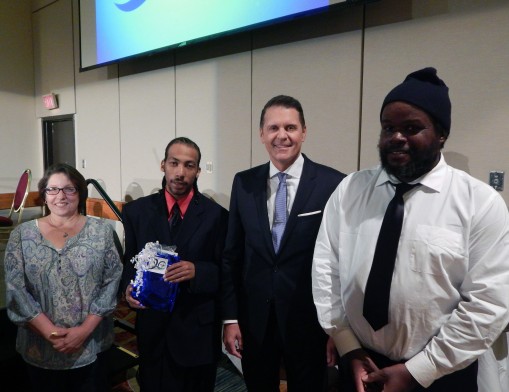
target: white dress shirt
<point>292,183</point>
<point>450,289</point>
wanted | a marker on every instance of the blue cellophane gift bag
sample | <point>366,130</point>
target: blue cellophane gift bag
<point>148,286</point>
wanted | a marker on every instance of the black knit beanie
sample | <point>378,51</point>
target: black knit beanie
<point>427,91</point>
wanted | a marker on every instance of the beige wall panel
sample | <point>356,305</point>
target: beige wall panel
<point>147,123</point>
<point>20,135</point>
<point>53,57</point>
<point>97,124</point>
<point>98,130</point>
<point>324,75</point>
<point>470,49</point>
<point>214,110</point>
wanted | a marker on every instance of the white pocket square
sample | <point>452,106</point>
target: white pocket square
<point>310,213</point>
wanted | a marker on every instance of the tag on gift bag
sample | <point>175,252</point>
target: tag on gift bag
<point>148,286</point>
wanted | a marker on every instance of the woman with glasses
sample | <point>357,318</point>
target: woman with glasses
<point>62,273</point>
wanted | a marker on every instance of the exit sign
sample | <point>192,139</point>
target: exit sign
<point>50,101</point>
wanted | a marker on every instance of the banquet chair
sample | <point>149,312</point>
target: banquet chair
<point>7,223</point>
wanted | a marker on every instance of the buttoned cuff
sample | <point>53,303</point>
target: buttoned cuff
<point>422,369</point>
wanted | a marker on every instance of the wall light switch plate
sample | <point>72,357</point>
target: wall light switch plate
<point>497,180</point>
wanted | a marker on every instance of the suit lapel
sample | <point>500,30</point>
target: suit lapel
<point>192,221</point>
<point>262,214</point>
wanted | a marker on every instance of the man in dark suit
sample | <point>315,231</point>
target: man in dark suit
<point>267,307</point>
<point>179,349</point>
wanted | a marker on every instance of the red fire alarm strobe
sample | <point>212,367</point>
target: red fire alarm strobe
<point>50,101</point>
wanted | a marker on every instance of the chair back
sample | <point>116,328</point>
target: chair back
<point>20,196</point>
<point>22,191</point>
<point>18,204</point>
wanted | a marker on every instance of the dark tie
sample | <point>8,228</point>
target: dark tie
<point>280,212</point>
<point>378,287</point>
<point>175,221</point>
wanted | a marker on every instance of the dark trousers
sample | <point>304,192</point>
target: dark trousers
<point>166,375</point>
<point>302,354</point>
<point>464,380</point>
<point>158,371</point>
<point>90,378</point>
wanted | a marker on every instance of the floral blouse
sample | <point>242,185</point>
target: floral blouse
<point>66,285</point>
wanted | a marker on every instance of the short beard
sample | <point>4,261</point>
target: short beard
<point>417,167</point>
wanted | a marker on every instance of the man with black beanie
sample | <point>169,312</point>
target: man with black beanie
<point>411,264</point>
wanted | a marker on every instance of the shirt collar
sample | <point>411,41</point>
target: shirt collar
<point>183,203</point>
<point>294,171</point>
<point>434,179</point>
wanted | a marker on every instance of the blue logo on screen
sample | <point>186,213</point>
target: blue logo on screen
<point>129,6</point>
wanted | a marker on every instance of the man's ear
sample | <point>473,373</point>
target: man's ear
<point>162,165</point>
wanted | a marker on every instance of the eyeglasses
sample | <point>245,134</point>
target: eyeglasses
<point>68,190</point>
